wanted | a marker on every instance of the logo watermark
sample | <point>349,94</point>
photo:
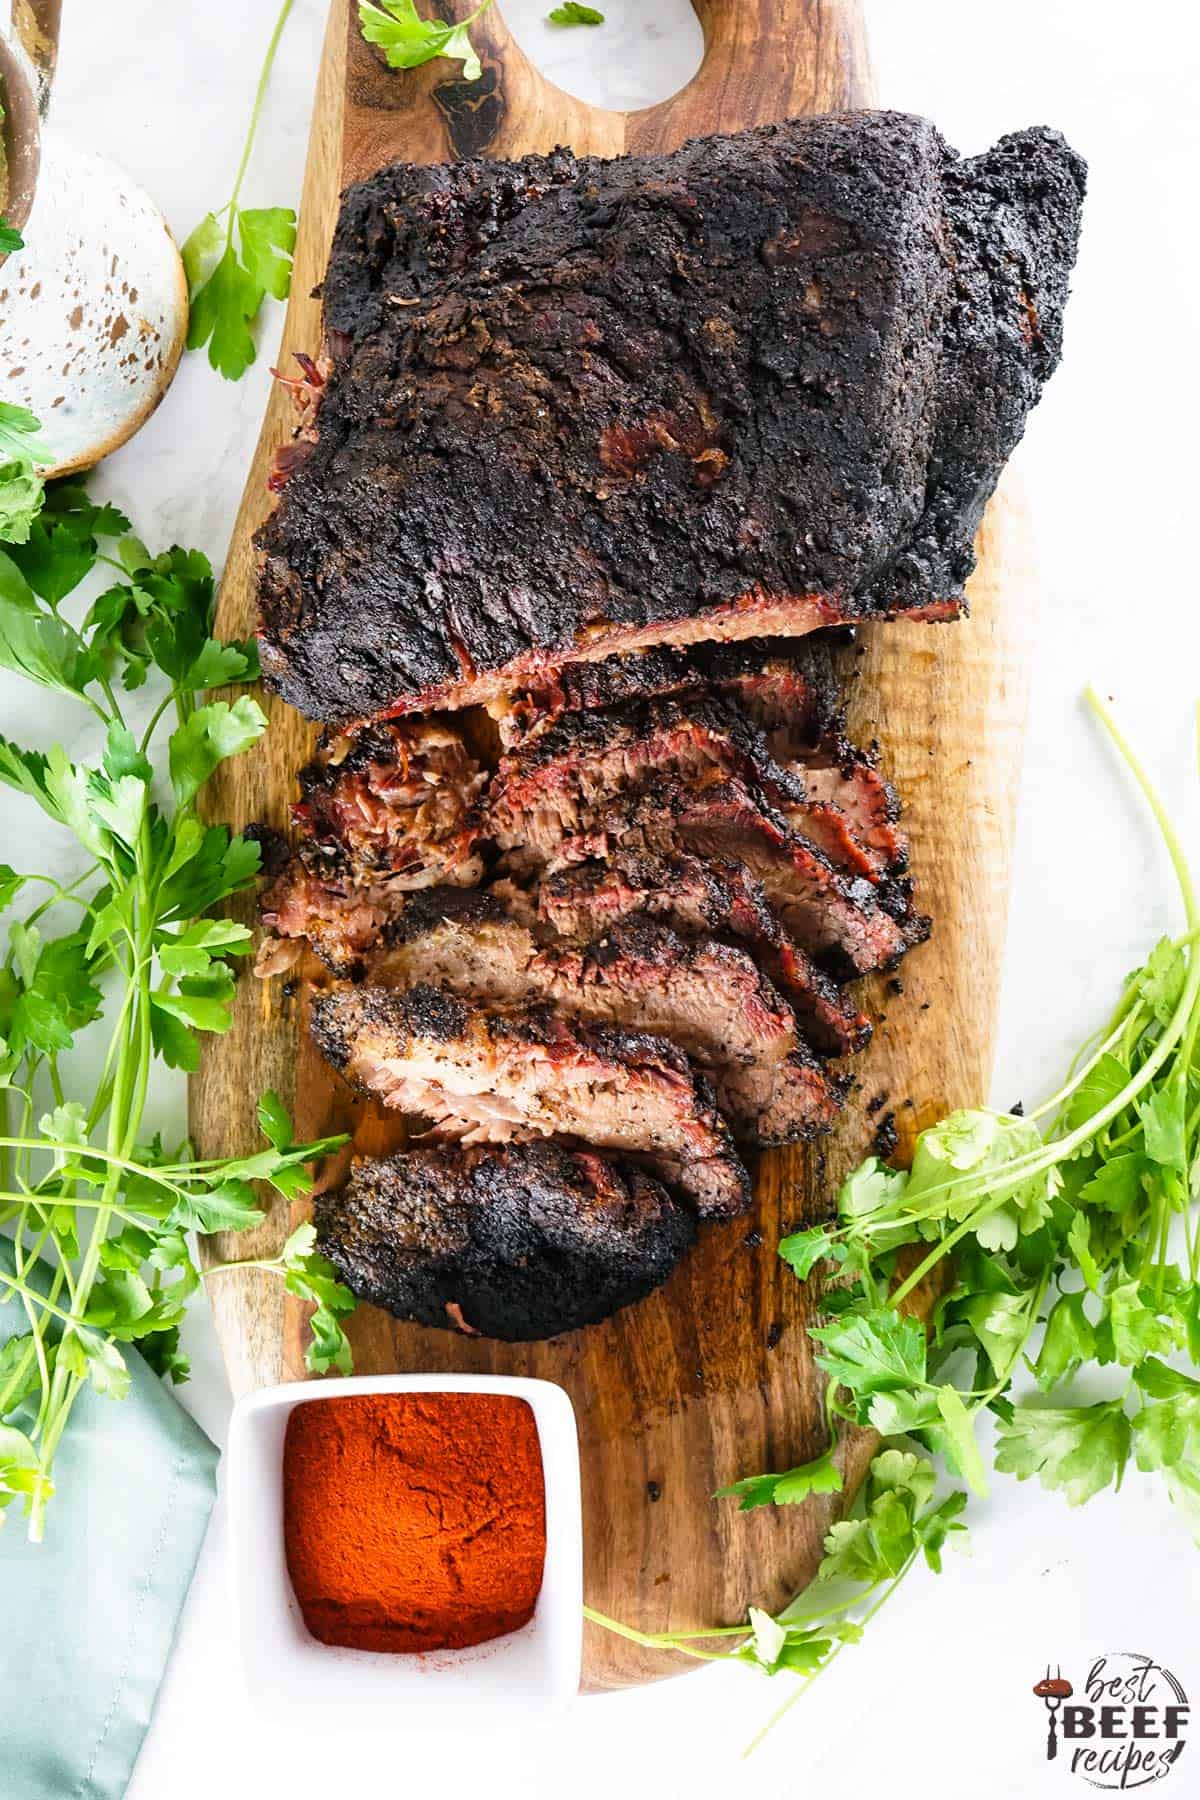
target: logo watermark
<point>1124,1727</point>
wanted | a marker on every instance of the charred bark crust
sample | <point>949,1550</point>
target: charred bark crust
<point>761,384</point>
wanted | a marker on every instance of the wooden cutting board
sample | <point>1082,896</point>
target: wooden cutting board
<point>711,1378</point>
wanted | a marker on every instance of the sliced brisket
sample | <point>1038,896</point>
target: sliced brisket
<point>554,780</point>
<point>512,1241</point>
<point>701,897</point>
<point>843,786</point>
<point>853,924</point>
<point>709,998</point>
<point>760,385</point>
<point>381,815</point>
<point>489,1074</point>
<point>796,678</point>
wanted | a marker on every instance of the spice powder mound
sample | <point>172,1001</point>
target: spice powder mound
<point>414,1521</point>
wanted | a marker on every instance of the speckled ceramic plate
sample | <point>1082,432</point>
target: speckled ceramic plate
<point>94,307</point>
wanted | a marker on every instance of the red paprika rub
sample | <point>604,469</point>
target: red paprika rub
<point>414,1521</point>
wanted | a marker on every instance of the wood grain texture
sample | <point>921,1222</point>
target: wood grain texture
<point>711,1378</point>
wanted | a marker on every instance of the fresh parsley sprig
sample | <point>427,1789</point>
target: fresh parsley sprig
<point>97,1220</point>
<point>1078,1220</point>
<point>237,256</point>
<point>896,1521</point>
<point>10,238</point>
<point>407,40</point>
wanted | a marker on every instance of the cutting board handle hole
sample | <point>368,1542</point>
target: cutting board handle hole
<point>603,65</point>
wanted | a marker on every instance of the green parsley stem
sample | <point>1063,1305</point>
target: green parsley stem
<point>21,1264</point>
<point>1078,1075</point>
<point>661,1640</point>
<point>21,1202</point>
<point>89,1152</point>
<point>1174,849</point>
<point>156,718</point>
<point>273,1264</point>
<point>260,95</point>
<point>799,1693</point>
<point>22,1365</point>
<point>18,1286</point>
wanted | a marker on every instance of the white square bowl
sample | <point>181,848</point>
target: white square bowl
<point>291,1677</point>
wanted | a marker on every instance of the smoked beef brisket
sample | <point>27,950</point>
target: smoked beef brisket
<point>708,997</point>
<point>513,1241</point>
<point>702,898</point>
<point>851,925</point>
<point>573,406</point>
<point>381,815</point>
<point>487,1074</point>
<point>557,776</point>
<point>799,676</point>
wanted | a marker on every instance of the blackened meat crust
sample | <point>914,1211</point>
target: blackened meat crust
<point>758,386</point>
<point>513,1241</point>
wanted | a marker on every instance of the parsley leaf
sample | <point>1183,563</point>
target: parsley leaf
<point>1168,1433</point>
<point>822,1476</point>
<point>1161,979</point>
<point>1162,1118</point>
<point>572,13</point>
<point>18,435</point>
<point>1080,1449</point>
<point>211,734</point>
<point>407,40</point>
<point>1001,1323</point>
<point>960,1439</point>
<point>1070,1341</point>
<point>21,496</point>
<point>1137,1328</point>
<point>872,1353</point>
<point>227,296</point>
<point>804,1249</point>
<point>1100,1085</point>
<point>876,1545</point>
<point>10,238</point>
<point>22,455</point>
<point>311,1277</point>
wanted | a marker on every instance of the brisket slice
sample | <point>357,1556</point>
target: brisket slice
<point>490,1074</point>
<point>762,384</point>
<point>381,815</point>
<point>788,690</point>
<point>796,675</point>
<point>843,786</point>
<point>514,1241</point>
<point>852,926</point>
<point>794,699</point>
<point>702,897</point>
<point>709,998</point>
<point>552,782</point>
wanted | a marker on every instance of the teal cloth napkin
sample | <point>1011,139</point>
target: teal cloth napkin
<point>88,1616</point>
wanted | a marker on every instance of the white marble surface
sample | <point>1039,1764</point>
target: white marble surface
<point>937,1699</point>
